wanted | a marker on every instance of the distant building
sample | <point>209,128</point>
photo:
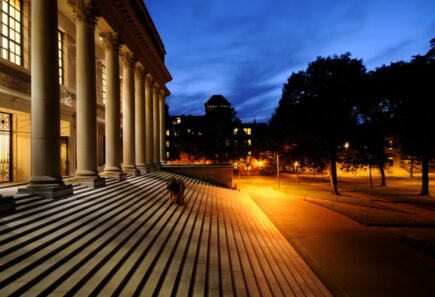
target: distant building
<point>216,101</point>
<point>185,132</point>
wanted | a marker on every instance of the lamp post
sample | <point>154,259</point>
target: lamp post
<point>277,168</point>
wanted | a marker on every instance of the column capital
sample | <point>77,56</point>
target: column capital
<point>162,94</point>
<point>139,71</point>
<point>110,41</point>
<point>156,86</point>
<point>84,11</point>
<point>128,59</point>
<point>149,80</point>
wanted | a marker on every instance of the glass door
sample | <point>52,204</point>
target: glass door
<point>5,147</point>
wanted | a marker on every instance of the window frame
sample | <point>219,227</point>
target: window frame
<point>13,49</point>
<point>61,52</point>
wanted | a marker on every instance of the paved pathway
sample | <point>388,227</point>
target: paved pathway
<point>127,239</point>
<point>350,258</point>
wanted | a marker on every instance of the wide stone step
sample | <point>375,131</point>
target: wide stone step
<point>128,239</point>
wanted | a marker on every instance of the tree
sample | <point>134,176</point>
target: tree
<point>317,109</point>
<point>417,104</point>
<point>374,124</point>
<point>409,89</point>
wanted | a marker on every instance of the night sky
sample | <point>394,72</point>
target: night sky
<point>246,49</point>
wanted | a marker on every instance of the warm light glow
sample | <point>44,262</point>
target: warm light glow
<point>103,83</point>
<point>346,145</point>
<point>247,131</point>
<point>11,26</point>
<point>60,50</point>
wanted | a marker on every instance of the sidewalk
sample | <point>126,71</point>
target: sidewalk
<point>350,258</point>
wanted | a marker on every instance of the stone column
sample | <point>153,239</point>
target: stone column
<point>86,105</point>
<point>113,108</point>
<point>45,178</point>
<point>156,133</point>
<point>128,116</point>
<point>162,111</point>
<point>149,122</point>
<point>139,88</point>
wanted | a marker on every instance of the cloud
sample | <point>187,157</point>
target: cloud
<point>247,49</point>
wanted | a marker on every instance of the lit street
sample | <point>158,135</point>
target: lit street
<point>350,258</point>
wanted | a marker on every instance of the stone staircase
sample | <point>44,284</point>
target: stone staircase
<point>127,239</point>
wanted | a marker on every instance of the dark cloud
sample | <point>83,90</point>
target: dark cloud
<point>247,49</point>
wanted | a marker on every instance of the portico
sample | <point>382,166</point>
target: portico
<point>114,113</point>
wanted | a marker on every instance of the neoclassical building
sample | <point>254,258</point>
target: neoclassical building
<point>82,93</point>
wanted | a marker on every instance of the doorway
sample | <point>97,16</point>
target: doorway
<point>5,147</point>
<point>64,162</point>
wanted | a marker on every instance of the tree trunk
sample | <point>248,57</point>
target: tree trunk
<point>382,171</point>
<point>333,174</point>
<point>411,170</point>
<point>424,175</point>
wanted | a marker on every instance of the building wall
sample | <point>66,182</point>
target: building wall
<point>221,175</point>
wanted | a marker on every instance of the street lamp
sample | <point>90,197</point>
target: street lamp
<point>277,168</point>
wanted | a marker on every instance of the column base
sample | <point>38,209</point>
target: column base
<point>142,168</point>
<point>88,181</point>
<point>51,192</point>
<point>150,168</point>
<point>7,205</point>
<point>131,171</point>
<point>118,175</point>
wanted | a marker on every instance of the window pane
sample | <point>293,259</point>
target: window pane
<point>60,56</point>
<point>11,30</point>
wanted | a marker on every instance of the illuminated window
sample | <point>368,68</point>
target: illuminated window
<point>177,121</point>
<point>167,143</point>
<point>60,53</point>
<point>167,155</point>
<point>249,153</point>
<point>249,142</point>
<point>247,131</point>
<point>168,133</point>
<point>236,130</point>
<point>11,31</point>
<point>103,83</point>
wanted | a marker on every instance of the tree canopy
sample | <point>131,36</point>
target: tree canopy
<point>336,102</point>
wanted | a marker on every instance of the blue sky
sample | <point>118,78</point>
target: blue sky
<point>246,49</point>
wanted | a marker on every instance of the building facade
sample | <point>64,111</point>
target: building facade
<point>186,137</point>
<point>82,91</point>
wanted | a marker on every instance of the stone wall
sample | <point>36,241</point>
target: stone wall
<point>221,175</point>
